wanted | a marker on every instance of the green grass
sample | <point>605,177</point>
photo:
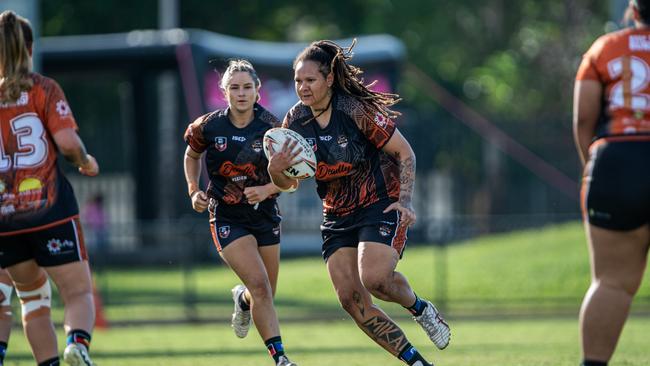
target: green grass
<point>548,342</point>
<point>529,272</point>
<point>491,281</point>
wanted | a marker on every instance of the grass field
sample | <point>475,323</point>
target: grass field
<point>512,300</point>
<point>548,342</point>
<point>529,272</point>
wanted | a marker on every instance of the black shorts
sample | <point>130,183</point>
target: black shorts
<point>51,246</point>
<point>615,191</point>
<point>231,222</point>
<point>363,225</point>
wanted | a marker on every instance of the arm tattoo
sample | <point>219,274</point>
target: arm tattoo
<point>406,179</point>
<point>386,332</point>
<point>356,296</point>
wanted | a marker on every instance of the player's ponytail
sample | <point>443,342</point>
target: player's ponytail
<point>15,41</point>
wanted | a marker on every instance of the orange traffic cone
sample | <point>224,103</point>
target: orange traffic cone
<point>100,320</point>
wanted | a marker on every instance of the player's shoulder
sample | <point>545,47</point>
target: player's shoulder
<point>265,116</point>
<point>348,104</point>
<point>617,36</point>
<point>44,81</point>
<point>206,118</point>
<point>44,84</point>
<point>298,113</point>
<point>612,40</point>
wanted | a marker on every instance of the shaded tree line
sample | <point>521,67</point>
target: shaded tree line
<point>512,61</point>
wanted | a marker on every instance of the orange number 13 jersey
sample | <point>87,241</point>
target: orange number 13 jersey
<point>33,191</point>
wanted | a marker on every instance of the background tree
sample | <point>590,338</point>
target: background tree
<point>512,61</point>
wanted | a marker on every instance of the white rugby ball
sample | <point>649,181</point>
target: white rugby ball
<point>275,138</point>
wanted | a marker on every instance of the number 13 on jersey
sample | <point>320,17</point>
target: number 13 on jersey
<point>31,143</point>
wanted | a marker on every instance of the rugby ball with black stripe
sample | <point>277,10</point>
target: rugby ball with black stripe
<point>275,138</point>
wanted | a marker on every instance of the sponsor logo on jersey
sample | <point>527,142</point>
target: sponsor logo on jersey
<point>325,138</point>
<point>23,100</point>
<point>342,141</point>
<point>381,120</point>
<point>7,210</point>
<point>230,170</point>
<point>639,42</point>
<point>220,143</point>
<point>224,231</point>
<point>329,172</point>
<point>312,143</point>
<point>62,108</point>
<point>257,146</point>
<point>30,193</point>
<point>55,246</point>
<point>385,230</point>
<point>239,138</point>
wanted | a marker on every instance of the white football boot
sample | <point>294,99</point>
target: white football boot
<point>435,326</point>
<point>241,319</point>
<point>77,355</point>
<point>284,361</point>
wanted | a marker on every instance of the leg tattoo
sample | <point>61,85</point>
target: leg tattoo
<point>356,296</point>
<point>383,330</point>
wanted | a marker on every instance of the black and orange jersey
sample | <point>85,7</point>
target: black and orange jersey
<point>352,170</point>
<point>33,191</point>
<point>234,156</point>
<point>620,61</point>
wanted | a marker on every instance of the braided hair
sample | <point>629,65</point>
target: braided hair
<point>16,39</point>
<point>332,58</point>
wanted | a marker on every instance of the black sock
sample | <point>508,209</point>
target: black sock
<point>275,347</point>
<point>54,361</point>
<point>410,355</point>
<point>593,363</point>
<point>3,352</point>
<point>418,307</point>
<point>242,302</point>
<point>79,336</point>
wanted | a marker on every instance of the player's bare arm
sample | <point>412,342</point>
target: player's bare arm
<point>192,167</point>
<point>587,96</point>
<point>257,194</point>
<point>399,148</point>
<point>74,151</point>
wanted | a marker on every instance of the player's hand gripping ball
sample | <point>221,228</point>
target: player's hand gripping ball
<point>306,166</point>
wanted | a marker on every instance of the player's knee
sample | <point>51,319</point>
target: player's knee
<point>377,285</point>
<point>631,286</point>
<point>5,300</point>
<point>348,304</point>
<point>627,286</point>
<point>72,293</point>
<point>35,298</point>
<point>353,303</point>
<point>260,291</point>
